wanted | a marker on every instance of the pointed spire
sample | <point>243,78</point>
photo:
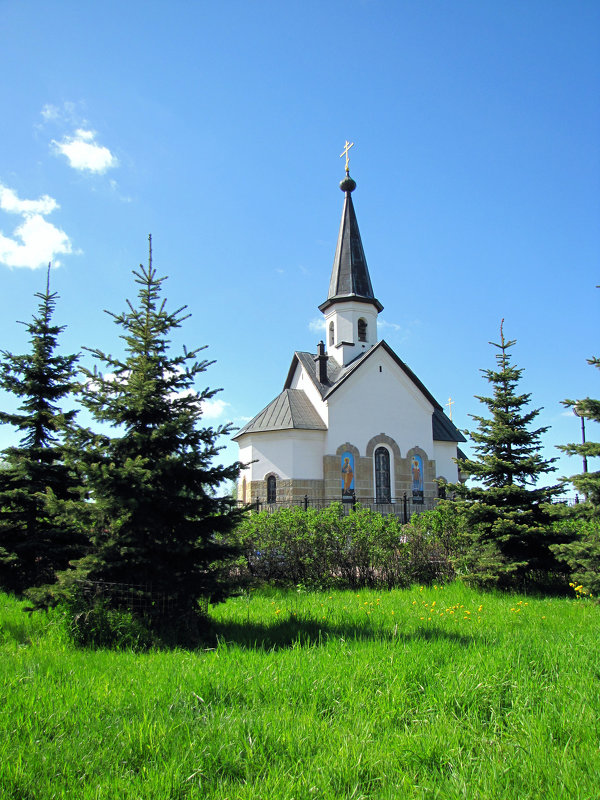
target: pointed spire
<point>350,278</point>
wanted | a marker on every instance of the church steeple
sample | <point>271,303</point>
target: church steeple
<point>351,307</point>
<point>350,279</point>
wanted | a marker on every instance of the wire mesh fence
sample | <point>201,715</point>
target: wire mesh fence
<point>139,598</point>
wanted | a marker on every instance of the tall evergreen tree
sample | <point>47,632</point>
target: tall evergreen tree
<point>588,483</point>
<point>508,515</point>
<point>160,521</point>
<point>35,541</point>
<point>583,553</point>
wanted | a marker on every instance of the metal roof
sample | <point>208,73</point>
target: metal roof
<point>350,279</point>
<point>291,410</point>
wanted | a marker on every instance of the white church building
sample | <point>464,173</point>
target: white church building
<point>353,421</point>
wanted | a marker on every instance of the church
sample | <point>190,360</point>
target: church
<point>353,421</point>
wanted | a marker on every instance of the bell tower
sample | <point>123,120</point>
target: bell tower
<point>351,308</point>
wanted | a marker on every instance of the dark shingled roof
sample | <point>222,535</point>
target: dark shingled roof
<point>444,429</point>
<point>290,410</point>
<point>350,279</point>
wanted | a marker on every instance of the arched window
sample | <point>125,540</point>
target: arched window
<point>383,492</point>
<point>331,333</point>
<point>271,489</point>
<point>362,330</point>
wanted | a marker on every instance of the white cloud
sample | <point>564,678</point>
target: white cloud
<point>317,325</point>
<point>84,153</point>
<point>213,409</point>
<point>11,203</point>
<point>34,242</point>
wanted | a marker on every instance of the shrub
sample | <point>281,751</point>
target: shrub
<point>345,548</point>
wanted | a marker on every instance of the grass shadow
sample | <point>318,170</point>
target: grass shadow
<point>306,633</point>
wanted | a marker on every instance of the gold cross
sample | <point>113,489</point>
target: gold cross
<point>344,152</point>
<point>449,404</point>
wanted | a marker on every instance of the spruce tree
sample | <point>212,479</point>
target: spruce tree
<point>160,524</point>
<point>583,554</point>
<point>588,483</point>
<point>508,515</point>
<point>35,541</point>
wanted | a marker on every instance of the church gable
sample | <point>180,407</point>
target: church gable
<point>378,396</point>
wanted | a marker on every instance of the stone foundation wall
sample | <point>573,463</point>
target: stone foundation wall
<point>293,491</point>
<point>288,491</point>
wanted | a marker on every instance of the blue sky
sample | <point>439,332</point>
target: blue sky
<point>217,127</point>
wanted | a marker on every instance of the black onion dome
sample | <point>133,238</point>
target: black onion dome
<point>348,185</point>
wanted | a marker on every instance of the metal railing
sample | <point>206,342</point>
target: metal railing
<point>403,507</point>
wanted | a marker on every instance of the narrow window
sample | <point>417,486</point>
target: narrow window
<point>383,492</point>
<point>271,489</point>
<point>362,330</point>
<point>331,333</point>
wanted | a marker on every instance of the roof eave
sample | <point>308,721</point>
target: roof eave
<point>349,298</point>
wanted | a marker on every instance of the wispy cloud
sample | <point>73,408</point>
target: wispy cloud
<point>381,323</point>
<point>84,153</point>
<point>35,241</point>
<point>67,113</point>
<point>317,325</point>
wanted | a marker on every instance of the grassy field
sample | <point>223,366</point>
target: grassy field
<point>422,693</point>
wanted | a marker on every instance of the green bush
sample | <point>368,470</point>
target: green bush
<point>335,547</point>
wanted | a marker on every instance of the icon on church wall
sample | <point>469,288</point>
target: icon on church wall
<point>347,474</point>
<point>417,478</point>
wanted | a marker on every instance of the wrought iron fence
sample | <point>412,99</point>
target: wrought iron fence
<point>403,507</point>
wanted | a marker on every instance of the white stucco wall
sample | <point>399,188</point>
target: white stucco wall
<point>444,452</point>
<point>380,398</point>
<point>345,318</point>
<point>289,454</point>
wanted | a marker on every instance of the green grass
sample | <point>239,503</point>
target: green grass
<point>432,693</point>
